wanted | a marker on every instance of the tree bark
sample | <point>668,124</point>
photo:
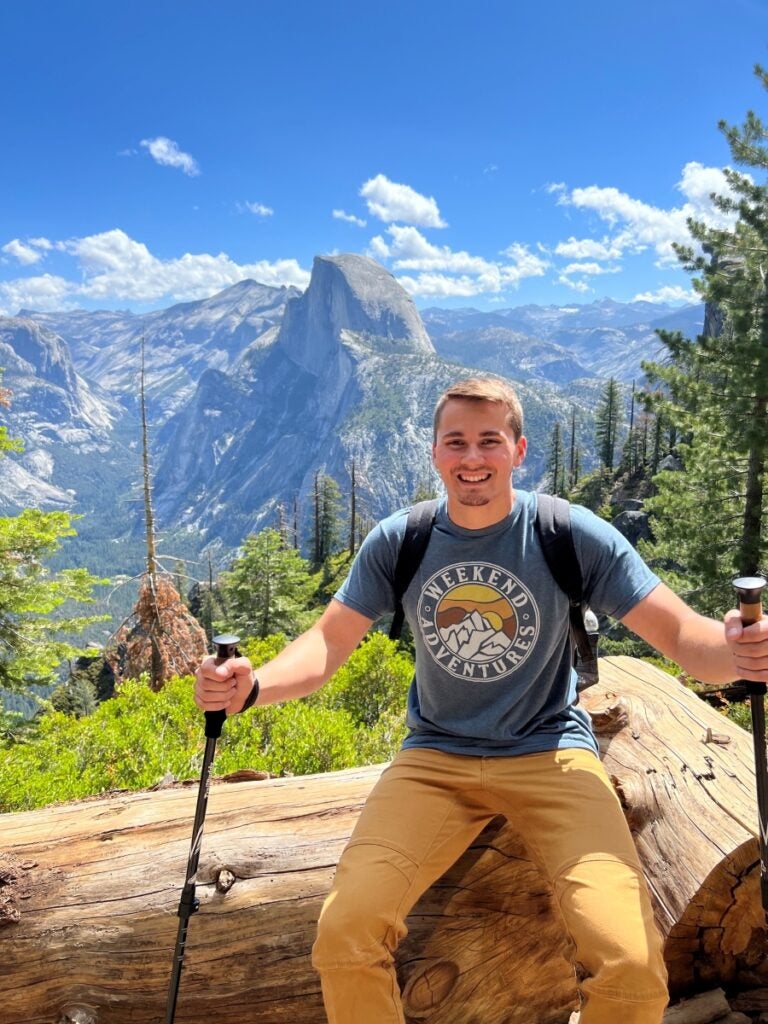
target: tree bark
<point>89,891</point>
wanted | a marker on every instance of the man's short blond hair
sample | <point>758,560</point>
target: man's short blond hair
<point>484,389</point>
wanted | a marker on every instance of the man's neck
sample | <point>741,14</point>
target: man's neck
<point>480,517</point>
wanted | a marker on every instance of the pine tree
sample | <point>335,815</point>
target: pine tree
<point>710,517</point>
<point>556,461</point>
<point>267,588</point>
<point>607,422</point>
<point>327,518</point>
<point>574,454</point>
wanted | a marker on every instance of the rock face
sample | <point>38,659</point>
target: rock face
<point>353,294</point>
<point>257,436</point>
<point>60,417</point>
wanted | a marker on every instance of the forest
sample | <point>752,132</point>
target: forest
<point>688,444</point>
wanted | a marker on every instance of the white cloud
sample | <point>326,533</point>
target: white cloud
<point>577,286</point>
<point>25,253</point>
<point>258,209</point>
<point>440,285</point>
<point>440,271</point>
<point>587,248</point>
<point>378,249</point>
<point>114,267</point>
<point>390,202</point>
<point>45,292</point>
<point>669,293</point>
<point>350,218</point>
<point>166,152</point>
<point>590,268</point>
<point>639,225</point>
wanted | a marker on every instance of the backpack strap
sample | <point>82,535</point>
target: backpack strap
<point>553,524</point>
<point>418,528</point>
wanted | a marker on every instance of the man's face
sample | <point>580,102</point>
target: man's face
<point>475,452</point>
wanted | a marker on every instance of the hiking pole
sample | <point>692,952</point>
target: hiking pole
<point>226,647</point>
<point>749,590</point>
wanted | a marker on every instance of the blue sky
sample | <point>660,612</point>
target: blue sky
<point>488,153</point>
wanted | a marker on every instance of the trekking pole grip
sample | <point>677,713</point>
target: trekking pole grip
<point>750,591</point>
<point>226,647</point>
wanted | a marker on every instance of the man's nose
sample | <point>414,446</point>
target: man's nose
<point>473,453</point>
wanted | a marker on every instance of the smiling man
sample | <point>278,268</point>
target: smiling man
<point>494,722</point>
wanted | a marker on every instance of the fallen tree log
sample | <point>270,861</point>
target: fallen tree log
<point>89,891</point>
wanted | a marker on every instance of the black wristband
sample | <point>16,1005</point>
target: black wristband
<point>250,700</point>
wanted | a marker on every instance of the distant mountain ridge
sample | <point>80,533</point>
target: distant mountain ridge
<point>255,389</point>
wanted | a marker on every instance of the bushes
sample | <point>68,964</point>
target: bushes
<point>134,740</point>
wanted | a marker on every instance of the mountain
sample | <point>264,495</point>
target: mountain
<point>253,391</point>
<point>61,418</point>
<point>181,342</point>
<point>561,343</point>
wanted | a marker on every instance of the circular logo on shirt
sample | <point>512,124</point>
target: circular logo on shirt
<point>478,621</point>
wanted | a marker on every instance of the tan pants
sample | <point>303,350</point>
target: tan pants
<point>425,811</point>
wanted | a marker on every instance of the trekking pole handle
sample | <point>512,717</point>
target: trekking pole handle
<point>750,590</point>
<point>226,647</point>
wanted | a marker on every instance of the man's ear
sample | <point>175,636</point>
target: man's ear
<point>520,449</point>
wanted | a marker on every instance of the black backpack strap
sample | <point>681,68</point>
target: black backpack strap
<point>553,522</point>
<point>418,528</point>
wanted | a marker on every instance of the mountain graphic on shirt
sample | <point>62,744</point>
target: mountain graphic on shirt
<point>474,638</point>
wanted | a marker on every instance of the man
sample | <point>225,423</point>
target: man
<point>494,724</point>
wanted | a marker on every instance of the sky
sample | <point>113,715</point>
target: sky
<point>490,153</point>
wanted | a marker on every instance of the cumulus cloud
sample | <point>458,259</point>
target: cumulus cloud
<point>166,152</point>
<point>26,253</point>
<point>390,202</point>
<point>258,209</point>
<point>639,226</point>
<point>350,218</point>
<point>587,248</point>
<point>441,271</point>
<point>590,268</point>
<point>576,286</point>
<point>669,293</point>
<point>45,292</point>
<point>113,267</point>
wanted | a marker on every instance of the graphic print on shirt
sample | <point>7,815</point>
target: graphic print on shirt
<point>478,621</point>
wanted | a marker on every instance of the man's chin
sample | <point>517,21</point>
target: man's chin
<point>473,500</point>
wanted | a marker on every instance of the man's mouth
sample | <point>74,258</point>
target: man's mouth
<point>473,478</point>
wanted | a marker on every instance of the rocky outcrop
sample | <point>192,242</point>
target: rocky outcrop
<point>250,439</point>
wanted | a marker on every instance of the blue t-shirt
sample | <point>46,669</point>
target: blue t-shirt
<point>493,663</point>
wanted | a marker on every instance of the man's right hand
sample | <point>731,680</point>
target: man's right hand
<point>223,685</point>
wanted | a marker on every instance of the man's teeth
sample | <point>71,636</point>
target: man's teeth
<point>473,478</point>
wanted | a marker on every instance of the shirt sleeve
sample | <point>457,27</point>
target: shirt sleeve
<point>615,576</point>
<point>369,587</point>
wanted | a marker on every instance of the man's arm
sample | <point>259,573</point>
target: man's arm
<point>710,651</point>
<point>301,668</point>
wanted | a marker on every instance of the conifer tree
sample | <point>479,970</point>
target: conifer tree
<point>710,517</point>
<point>556,461</point>
<point>267,588</point>
<point>607,422</point>
<point>327,518</point>
<point>574,454</point>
